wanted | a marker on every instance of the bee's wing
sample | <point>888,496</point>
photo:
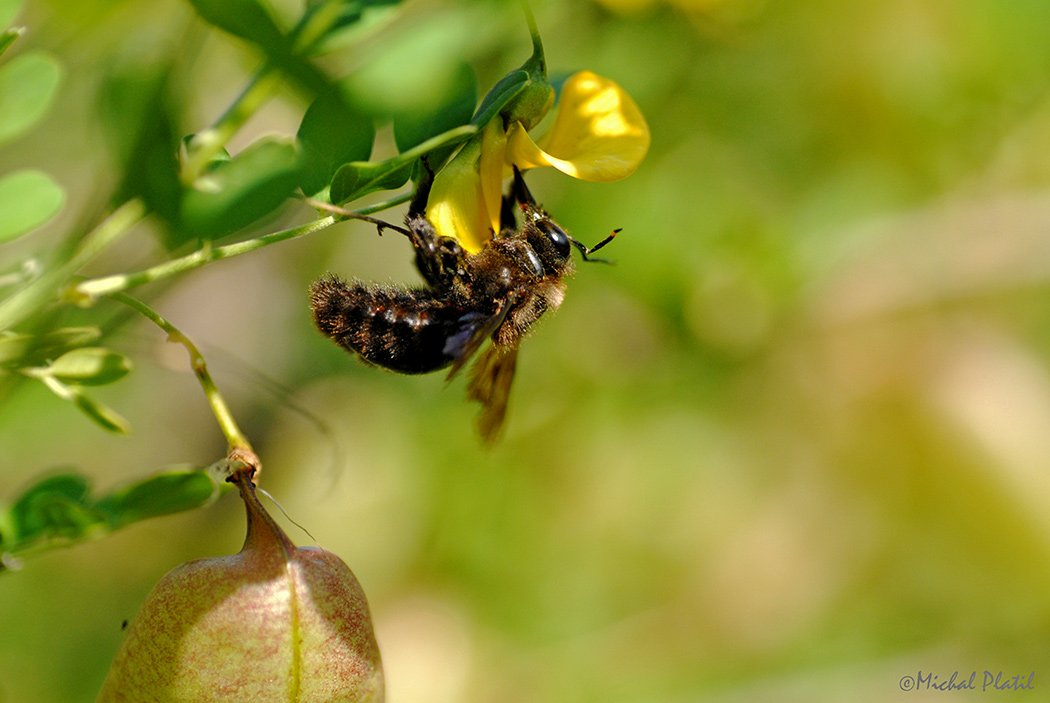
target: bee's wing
<point>490,381</point>
<point>473,331</point>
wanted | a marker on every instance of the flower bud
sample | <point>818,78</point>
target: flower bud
<point>532,104</point>
<point>274,622</point>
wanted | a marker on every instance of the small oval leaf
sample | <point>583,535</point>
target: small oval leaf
<point>332,133</point>
<point>161,494</point>
<point>360,178</point>
<point>102,414</point>
<point>248,19</point>
<point>242,190</point>
<point>505,90</point>
<point>90,366</point>
<point>56,506</point>
<point>21,350</point>
<point>28,199</point>
<point>7,38</point>
<point>27,85</point>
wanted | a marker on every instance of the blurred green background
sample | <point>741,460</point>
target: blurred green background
<point>792,447</point>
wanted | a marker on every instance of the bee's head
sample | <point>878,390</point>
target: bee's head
<point>547,238</point>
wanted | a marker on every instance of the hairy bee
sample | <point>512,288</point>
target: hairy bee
<point>495,294</point>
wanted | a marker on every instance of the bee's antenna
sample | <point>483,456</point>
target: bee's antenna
<point>586,252</point>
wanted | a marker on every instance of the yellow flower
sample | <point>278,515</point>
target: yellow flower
<point>598,134</point>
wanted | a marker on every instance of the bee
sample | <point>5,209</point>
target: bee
<point>496,295</point>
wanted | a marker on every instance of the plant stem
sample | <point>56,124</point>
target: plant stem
<point>206,144</point>
<point>447,138</point>
<point>234,437</point>
<point>108,285</point>
<point>534,31</point>
<point>112,228</point>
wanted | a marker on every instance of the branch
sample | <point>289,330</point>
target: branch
<point>236,439</point>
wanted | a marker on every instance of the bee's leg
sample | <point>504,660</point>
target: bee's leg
<point>519,191</point>
<point>352,215</point>
<point>418,206</point>
<point>507,218</point>
<point>439,259</point>
<point>422,234</point>
<point>425,242</point>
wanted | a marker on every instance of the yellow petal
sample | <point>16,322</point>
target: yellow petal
<point>599,134</point>
<point>493,154</point>
<point>456,206</point>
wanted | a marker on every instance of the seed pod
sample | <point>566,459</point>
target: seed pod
<point>274,622</point>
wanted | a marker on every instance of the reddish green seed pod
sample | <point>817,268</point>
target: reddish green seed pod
<point>274,622</point>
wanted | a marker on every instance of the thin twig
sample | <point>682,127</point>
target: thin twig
<point>234,437</point>
<point>89,290</point>
<point>108,285</point>
<point>209,142</point>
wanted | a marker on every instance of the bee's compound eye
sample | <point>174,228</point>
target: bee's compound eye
<point>556,235</point>
<point>534,262</point>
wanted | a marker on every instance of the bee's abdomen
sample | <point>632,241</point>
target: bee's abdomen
<point>402,330</point>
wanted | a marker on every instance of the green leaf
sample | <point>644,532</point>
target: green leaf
<point>162,494</point>
<point>101,414</point>
<point>508,88</point>
<point>98,412</point>
<point>7,38</point>
<point>356,179</point>
<point>360,178</point>
<point>21,350</point>
<point>248,19</point>
<point>90,366</point>
<point>60,507</point>
<point>57,506</point>
<point>135,105</point>
<point>325,17</point>
<point>330,135</point>
<point>27,85</point>
<point>242,190</point>
<point>356,21</point>
<point>9,9</point>
<point>348,11</point>
<point>453,109</point>
<point>28,199</point>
